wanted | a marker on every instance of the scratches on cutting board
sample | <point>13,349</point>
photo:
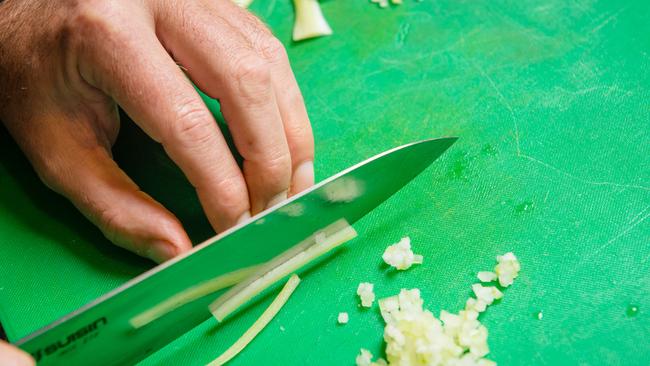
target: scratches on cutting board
<point>522,155</point>
<point>270,8</point>
<point>637,215</point>
<point>608,20</point>
<point>562,98</point>
<point>402,34</point>
<point>582,180</point>
<point>424,58</point>
<point>624,231</point>
<point>331,112</point>
<point>503,101</point>
<point>629,227</point>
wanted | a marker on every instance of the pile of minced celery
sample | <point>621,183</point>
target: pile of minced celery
<point>414,336</point>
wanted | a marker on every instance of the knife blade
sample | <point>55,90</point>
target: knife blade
<point>100,333</point>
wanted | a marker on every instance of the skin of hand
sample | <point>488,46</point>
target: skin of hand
<point>66,65</point>
<point>12,356</point>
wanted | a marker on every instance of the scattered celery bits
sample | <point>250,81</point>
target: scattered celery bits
<point>384,3</point>
<point>366,294</point>
<point>343,318</point>
<point>486,276</point>
<point>507,268</point>
<point>365,359</point>
<point>400,256</point>
<point>381,3</point>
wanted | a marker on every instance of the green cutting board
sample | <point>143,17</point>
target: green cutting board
<point>551,101</point>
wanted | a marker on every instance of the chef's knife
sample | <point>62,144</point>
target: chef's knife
<point>100,333</point>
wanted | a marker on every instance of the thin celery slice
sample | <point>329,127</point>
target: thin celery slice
<point>310,249</point>
<point>191,294</point>
<point>260,323</point>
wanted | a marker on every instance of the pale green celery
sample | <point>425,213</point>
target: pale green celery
<point>191,294</point>
<point>309,22</point>
<point>286,263</point>
<point>260,323</point>
<point>243,3</point>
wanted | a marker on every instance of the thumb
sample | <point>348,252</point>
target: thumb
<point>12,356</point>
<point>82,169</point>
<point>111,200</point>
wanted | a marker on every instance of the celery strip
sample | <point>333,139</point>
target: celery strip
<point>260,323</point>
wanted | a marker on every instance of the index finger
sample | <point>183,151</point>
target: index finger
<point>134,68</point>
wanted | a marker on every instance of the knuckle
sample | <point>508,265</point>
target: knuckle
<point>251,69</point>
<point>109,222</point>
<point>193,124</point>
<point>300,133</point>
<point>252,80</point>
<point>296,98</point>
<point>233,196</point>
<point>301,144</point>
<point>91,19</point>
<point>49,171</point>
<point>277,170</point>
<point>112,224</point>
<point>272,49</point>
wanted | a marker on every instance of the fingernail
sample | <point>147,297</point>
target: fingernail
<point>277,199</point>
<point>303,177</point>
<point>161,251</point>
<point>244,217</point>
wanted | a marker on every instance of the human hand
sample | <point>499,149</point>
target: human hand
<point>65,65</point>
<point>12,356</point>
